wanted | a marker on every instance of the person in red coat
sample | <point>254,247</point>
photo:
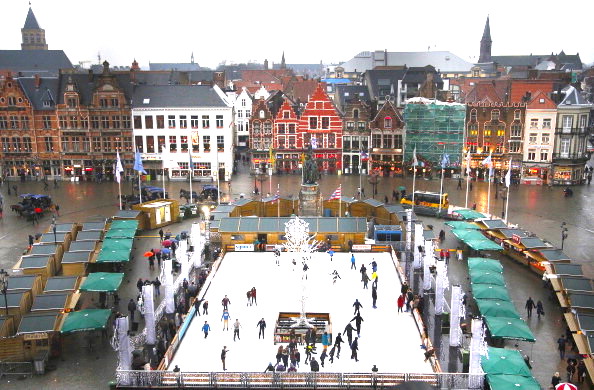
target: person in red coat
<point>400,302</point>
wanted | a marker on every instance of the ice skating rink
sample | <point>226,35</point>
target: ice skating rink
<point>388,339</point>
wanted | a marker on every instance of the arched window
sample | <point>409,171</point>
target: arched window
<point>495,115</point>
<point>473,114</point>
<point>387,122</point>
<point>262,114</point>
<point>355,113</point>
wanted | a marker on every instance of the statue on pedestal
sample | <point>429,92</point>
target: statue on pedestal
<point>310,168</point>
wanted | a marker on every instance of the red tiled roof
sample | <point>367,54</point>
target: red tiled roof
<point>483,92</point>
<point>541,101</point>
<point>520,87</point>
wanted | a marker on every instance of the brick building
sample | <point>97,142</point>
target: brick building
<point>387,145</point>
<point>356,134</point>
<point>261,138</point>
<point>286,139</point>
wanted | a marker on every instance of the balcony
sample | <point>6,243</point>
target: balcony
<point>574,157</point>
<point>574,130</point>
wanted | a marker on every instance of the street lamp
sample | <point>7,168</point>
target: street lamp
<point>4,288</point>
<point>563,233</point>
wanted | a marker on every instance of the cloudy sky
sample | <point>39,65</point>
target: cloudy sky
<point>307,30</point>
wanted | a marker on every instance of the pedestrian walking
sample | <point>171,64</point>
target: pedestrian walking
<point>225,302</point>
<point>358,319</point>
<point>561,343</point>
<point>225,317</point>
<point>206,329</point>
<point>31,241</point>
<point>539,309</point>
<point>57,208</point>
<point>331,354</point>
<point>365,279</point>
<point>529,306</point>
<point>357,305</point>
<point>355,349</point>
<point>400,303</point>
<point>254,300</point>
<point>249,297</point>
<point>570,370</point>
<point>262,326</point>
<point>459,254</point>
<point>337,341</point>
<point>556,379</point>
<point>404,288</point>
<point>177,373</point>
<point>353,266</point>
<point>224,356</point>
<point>139,284</point>
<point>581,371</point>
<point>157,284</point>
<point>409,298</point>
<point>236,326</point>
<point>159,256</point>
<point>132,309</point>
<point>55,183</point>
<point>447,256</point>
<point>161,234</point>
<point>374,296</point>
<point>205,308</point>
<point>459,183</point>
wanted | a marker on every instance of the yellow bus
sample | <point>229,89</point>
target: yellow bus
<point>426,199</point>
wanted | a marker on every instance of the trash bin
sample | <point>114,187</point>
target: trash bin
<point>39,362</point>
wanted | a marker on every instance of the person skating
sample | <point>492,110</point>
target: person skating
<point>409,298</point>
<point>279,354</point>
<point>225,317</point>
<point>373,266</point>
<point>269,368</point>
<point>206,329</point>
<point>205,308</point>
<point>249,297</point>
<point>335,276</point>
<point>332,352</point>
<point>236,326</point>
<point>358,319</point>
<point>337,341</point>
<point>224,356</point>
<point>315,366</point>
<point>365,279</point>
<point>305,268</point>
<point>353,266</point>
<point>308,351</point>
<point>374,296</point>
<point>354,349</point>
<point>226,302</point>
<point>323,357</point>
<point>262,325</point>
<point>331,253</point>
<point>357,305</point>
<point>349,332</point>
<point>298,357</point>
<point>325,341</point>
<point>529,306</point>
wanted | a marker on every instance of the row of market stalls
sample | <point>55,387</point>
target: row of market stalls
<point>45,286</point>
<point>573,290</point>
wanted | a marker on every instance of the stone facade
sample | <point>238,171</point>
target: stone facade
<point>357,115</point>
<point>387,144</point>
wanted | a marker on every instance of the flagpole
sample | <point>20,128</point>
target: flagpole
<point>489,192</point>
<point>218,183</point>
<point>442,173</point>
<point>414,183</point>
<point>191,169</point>
<point>120,191</point>
<point>507,204</point>
<point>163,177</point>
<point>278,200</point>
<point>139,188</point>
<point>340,202</point>
<point>508,183</point>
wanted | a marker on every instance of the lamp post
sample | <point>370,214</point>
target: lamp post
<point>4,288</point>
<point>563,233</point>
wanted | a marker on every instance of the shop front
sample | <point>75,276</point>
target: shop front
<point>287,163</point>
<point>328,162</point>
<point>78,170</point>
<point>535,174</point>
<point>387,164</point>
<point>568,174</point>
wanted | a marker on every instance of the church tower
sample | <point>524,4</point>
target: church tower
<point>486,44</point>
<point>33,35</point>
<point>283,64</point>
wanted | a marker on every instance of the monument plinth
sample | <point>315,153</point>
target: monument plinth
<point>309,200</point>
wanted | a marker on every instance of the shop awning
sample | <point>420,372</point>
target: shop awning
<point>120,233</point>
<point>102,281</point>
<point>489,291</point>
<point>504,361</point>
<point>89,319</point>
<point>485,264</point>
<point>114,256</point>
<point>479,276</point>
<point>509,328</point>
<point>469,214</point>
<point>475,240</point>
<point>515,382</point>
<point>124,224</point>
<point>462,225</point>
<point>497,308</point>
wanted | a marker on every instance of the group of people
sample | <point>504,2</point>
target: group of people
<point>408,300</point>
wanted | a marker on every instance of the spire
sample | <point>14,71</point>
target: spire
<point>31,22</point>
<point>283,64</point>
<point>485,53</point>
<point>192,58</point>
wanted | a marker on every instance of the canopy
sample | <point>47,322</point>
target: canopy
<point>117,244</point>
<point>509,328</point>
<point>516,382</point>
<point>115,250</point>
<point>486,277</point>
<point>496,308</point>
<point>115,256</point>
<point>484,264</point>
<point>469,214</point>
<point>504,361</point>
<point>120,233</point>
<point>475,240</point>
<point>124,224</point>
<point>102,281</point>
<point>489,291</point>
<point>462,225</point>
<point>88,319</point>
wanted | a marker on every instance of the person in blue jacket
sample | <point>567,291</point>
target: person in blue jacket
<point>353,261</point>
<point>225,317</point>
<point>325,340</point>
<point>206,329</point>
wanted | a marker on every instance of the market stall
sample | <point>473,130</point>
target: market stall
<point>508,328</point>
<point>90,235</point>
<point>37,265</point>
<point>76,263</point>
<point>55,302</point>
<point>32,283</point>
<point>62,284</point>
<point>84,246</point>
<point>93,226</point>
<point>40,335</point>
<point>86,320</point>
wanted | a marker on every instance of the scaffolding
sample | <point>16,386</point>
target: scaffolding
<point>434,127</point>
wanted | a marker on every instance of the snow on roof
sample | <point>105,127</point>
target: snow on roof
<point>422,100</point>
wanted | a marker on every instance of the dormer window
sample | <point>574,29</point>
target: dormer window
<point>71,102</point>
<point>473,114</point>
<point>262,114</point>
<point>387,122</point>
<point>46,103</point>
<point>495,115</point>
<point>355,113</point>
<point>11,101</point>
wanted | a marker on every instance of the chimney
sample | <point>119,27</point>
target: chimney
<point>37,81</point>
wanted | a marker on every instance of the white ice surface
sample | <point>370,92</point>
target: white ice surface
<point>388,339</point>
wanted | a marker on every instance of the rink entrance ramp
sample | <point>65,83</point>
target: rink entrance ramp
<point>285,328</point>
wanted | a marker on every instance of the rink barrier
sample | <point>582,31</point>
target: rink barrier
<point>286,380</point>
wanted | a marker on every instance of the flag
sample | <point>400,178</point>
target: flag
<point>138,163</point>
<point>364,156</point>
<point>508,174</point>
<point>415,161</point>
<point>118,168</point>
<point>337,193</point>
<point>468,162</point>
<point>191,166</point>
<point>487,161</point>
<point>445,160</point>
<point>314,141</point>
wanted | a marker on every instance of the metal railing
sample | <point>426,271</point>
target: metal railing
<point>16,368</point>
<point>287,380</point>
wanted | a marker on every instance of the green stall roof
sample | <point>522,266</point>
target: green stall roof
<point>124,215</point>
<point>475,240</point>
<point>497,308</point>
<point>489,291</point>
<point>509,328</point>
<point>509,382</point>
<point>485,264</point>
<point>124,224</point>
<point>119,233</point>
<point>36,323</point>
<point>117,244</point>
<point>102,281</point>
<point>61,283</point>
<point>114,256</point>
<point>88,319</point>
<point>462,225</point>
<point>504,361</point>
<point>469,214</point>
<point>479,276</point>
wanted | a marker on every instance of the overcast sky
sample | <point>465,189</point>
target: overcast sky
<point>307,30</point>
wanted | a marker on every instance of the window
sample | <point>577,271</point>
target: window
<point>388,141</point>
<point>148,122</point>
<point>361,126</point>
<point>115,122</point>
<point>171,121</point>
<point>387,122</point>
<point>516,130</point>
<point>49,145</point>
<point>517,115</point>
<point>75,144</point>
<point>256,128</point>
<point>532,138</point>
<point>473,129</point>
<point>97,143</point>
<point>115,102</point>
<point>546,123</point>
<point>356,113</point>
<point>126,122</point>
<point>74,122</point>
<point>205,121</point>
<point>281,128</point>
<point>219,119</point>
<point>281,142</point>
<point>531,154</point>
<point>11,101</point>
<point>325,122</point>
<point>183,140</point>
<point>286,114</point>
<point>63,122</point>
<point>268,127</point>
<point>27,145</point>
<point>350,125</point>
<point>138,142</point>
<point>84,122</point>
<point>183,122</point>
<point>473,114</point>
<point>544,154</point>
<point>160,121</point>
<point>487,133</point>
<point>85,144</point>
<point>242,102</point>
<point>313,122</point>
<point>564,147</point>
<point>546,138</point>
<point>500,133</point>
<point>102,102</point>
<point>583,122</point>
<point>194,121</point>
<point>72,102</point>
<point>137,122</point>
<point>25,122</point>
<point>495,115</point>
<point>173,144</point>
<point>128,144</point>
<point>534,123</point>
<point>247,113</point>
<point>376,141</point>
<point>206,143</point>
<point>239,113</point>
<point>5,144</point>
<point>331,140</point>
<point>291,128</point>
<point>16,144</point>
<point>3,123</point>
<point>65,144</point>
<point>262,114</point>
<point>397,141</point>
<point>221,143</point>
<point>567,121</point>
<point>292,141</point>
<point>47,121</point>
<point>150,144</point>
<point>105,122</point>
<point>14,122</point>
